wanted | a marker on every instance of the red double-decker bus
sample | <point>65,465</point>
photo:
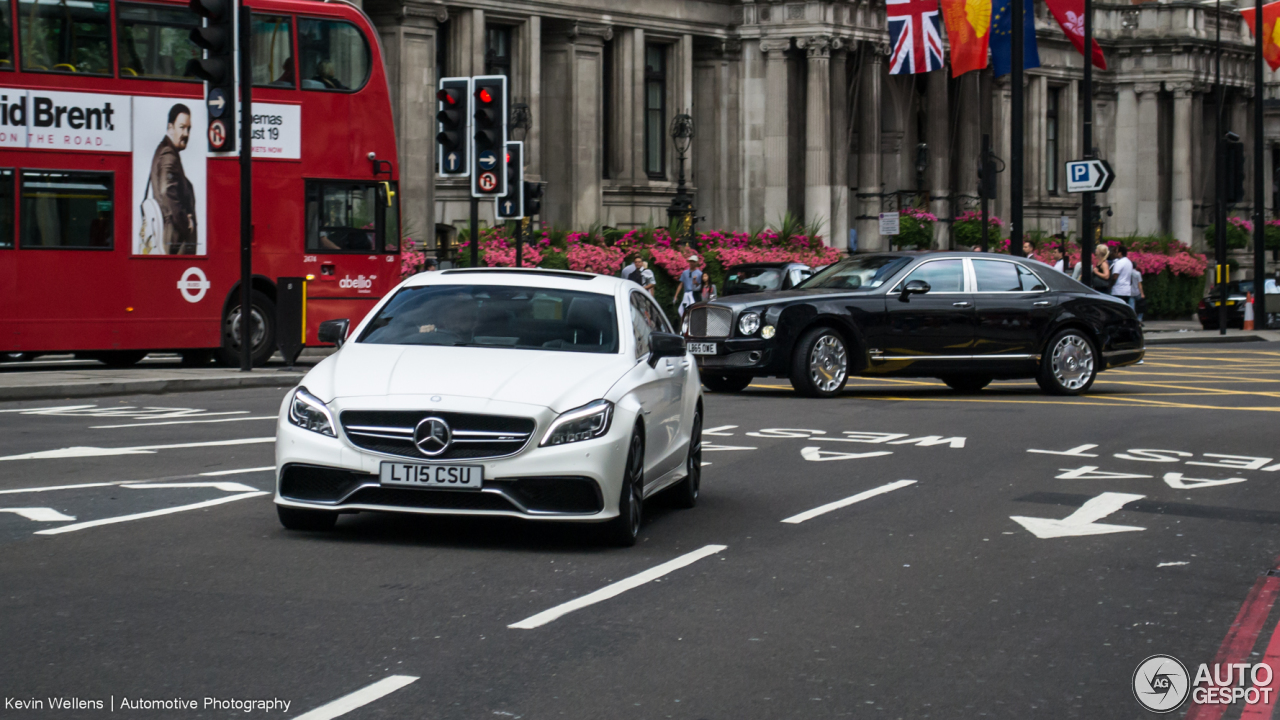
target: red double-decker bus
<point>119,230</point>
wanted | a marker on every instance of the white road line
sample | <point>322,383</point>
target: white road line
<point>182,422</point>
<point>810,514</point>
<point>223,486</point>
<point>75,452</point>
<point>45,409</point>
<point>238,472</point>
<point>359,698</point>
<point>64,487</point>
<point>616,589</point>
<point>712,447</point>
<point>1173,564</point>
<point>39,514</point>
<point>151,514</point>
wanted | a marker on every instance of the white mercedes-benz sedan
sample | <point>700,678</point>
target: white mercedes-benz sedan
<point>545,395</point>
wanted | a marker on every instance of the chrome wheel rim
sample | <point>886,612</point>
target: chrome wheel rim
<point>258,328</point>
<point>828,364</point>
<point>695,457</point>
<point>635,484</point>
<point>1072,362</point>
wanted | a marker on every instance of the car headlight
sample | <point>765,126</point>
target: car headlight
<point>684,325</point>
<point>768,332</point>
<point>749,323</point>
<point>310,413</point>
<point>584,423</point>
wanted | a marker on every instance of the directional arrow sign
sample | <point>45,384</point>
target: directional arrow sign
<point>451,162</point>
<point>217,102</point>
<point>1082,521</point>
<point>223,486</point>
<point>488,160</point>
<point>1093,175</point>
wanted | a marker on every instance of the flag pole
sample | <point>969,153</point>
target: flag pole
<point>1016,139</point>
<point>1086,132</point>
<point>1259,184</point>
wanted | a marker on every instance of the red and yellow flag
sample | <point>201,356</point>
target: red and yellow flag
<point>1270,32</point>
<point>969,30</point>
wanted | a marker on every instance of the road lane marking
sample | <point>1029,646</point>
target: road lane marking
<point>45,409</point>
<point>182,422</point>
<point>39,514</point>
<point>64,487</point>
<point>866,495</point>
<point>1084,520</point>
<point>816,454</point>
<point>1078,451</point>
<point>151,514</point>
<point>1173,564</point>
<point>719,431</point>
<point>78,452</point>
<point>710,447</point>
<point>223,486</point>
<point>1241,637</point>
<point>359,698</point>
<point>616,589</point>
<point>238,471</point>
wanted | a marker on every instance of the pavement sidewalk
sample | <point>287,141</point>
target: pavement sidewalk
<point>1176,332</point>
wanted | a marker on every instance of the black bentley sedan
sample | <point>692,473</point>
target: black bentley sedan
<point>764,277</point>
<point>967,318</point>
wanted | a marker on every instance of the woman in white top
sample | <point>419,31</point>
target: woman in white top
<point>1123,271</point>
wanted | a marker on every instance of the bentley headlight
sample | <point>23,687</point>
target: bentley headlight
<point>684,325</point>
<point>310,413</point>
<point>749,323</point>
<point>768,331</point>
<point>584,423</point>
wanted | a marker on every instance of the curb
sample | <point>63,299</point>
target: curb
<point>147,387</point>
<point>1203,340</point>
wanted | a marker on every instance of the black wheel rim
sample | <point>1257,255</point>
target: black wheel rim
<point>258,327</point>
<point>635,484</point>
<point>695,456</point>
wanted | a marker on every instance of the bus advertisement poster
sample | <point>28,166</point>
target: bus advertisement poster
<point>169,177</point>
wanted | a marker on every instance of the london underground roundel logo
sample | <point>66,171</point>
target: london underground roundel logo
<point>1161,683</point>
<point>193,285</point>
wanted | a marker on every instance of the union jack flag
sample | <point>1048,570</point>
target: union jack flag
<point>915,36</point>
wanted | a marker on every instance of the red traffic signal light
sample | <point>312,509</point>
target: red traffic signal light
<point>484,95</point>
<point>447,96</point>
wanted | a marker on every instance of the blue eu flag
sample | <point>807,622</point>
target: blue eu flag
<point>1002,37</point>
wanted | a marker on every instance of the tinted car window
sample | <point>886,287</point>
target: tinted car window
<point>497,316</point>
<point>996,276</point>
<point>859,271</point>
<point>751,280</point>
<point>942,275</point>
<point>1030,282</point>
<point>641,324</point>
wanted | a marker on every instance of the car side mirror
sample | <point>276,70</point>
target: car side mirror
<point>333,332</point>
<point>914,287</point>
<point>664,345</point>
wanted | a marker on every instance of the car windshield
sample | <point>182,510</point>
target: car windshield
<point>752,279</point>
<point>859,271</point>
<point>1242,287</point>
<point>497,316</point>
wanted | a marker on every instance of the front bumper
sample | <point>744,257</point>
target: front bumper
<point>576,482</point>
<point>752,355</point>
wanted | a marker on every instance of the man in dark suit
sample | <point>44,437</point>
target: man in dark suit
<point>171,188</point>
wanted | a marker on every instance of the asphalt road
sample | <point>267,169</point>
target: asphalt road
<point>922,599</point>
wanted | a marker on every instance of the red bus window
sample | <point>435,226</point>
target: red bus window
<point>334,54</point>
<point>62,36</point>
<point>6,37</point>
<point>155,41</point>
<point>6,208</point>
<point>66,210</point>
<point>352,217</point>
<point>272,51</point>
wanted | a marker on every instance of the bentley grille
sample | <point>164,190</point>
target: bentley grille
<point>710,321</point>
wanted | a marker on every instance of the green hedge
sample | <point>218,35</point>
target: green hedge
<point>1172,296</point>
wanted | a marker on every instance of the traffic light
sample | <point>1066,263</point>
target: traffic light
<point>532,198</point>
<point>453,98</point>
<point>1234,191</point>
<point>489,143</point>
<point>511,205</point>
<point>217,68</point>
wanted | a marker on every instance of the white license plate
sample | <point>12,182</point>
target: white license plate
<point>702,348</point>
<point>440,477</point>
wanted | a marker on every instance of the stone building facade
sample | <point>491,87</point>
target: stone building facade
<point>795,112</point>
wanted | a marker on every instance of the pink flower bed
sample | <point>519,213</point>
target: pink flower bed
<point>594,258</point>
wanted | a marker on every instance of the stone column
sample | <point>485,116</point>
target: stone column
<point>869,188</point>
<point>531,79</point>
<point>715,112</point>
<point>1183,202</point>
<point>838,232</point>
<point>571,162</point>
<point>817,181</point>
<point>938,177</point>
<point>466,43</point>
<point>968,143</point>
<point>408,31</point>
<point>1148,169</point>
<point>1001,142</point>
<point>1124,191</point>
<point>753,133</point>
<point>775,127</point>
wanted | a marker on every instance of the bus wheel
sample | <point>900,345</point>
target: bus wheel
<point>262,331</point>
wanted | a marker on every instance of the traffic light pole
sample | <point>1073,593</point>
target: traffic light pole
<point>520,240</point>
<point>1220,177</point>
<point>246,191</point>
<point>1259,187</point>
<point>1086,138</point>
<point>475,231</point>
<point>1016,142</point>
<point>986,168</point>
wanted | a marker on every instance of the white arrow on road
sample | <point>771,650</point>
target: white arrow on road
<point>80,451</point>
<point>1084,520</point>
<point>223,486</point>
<point>39,514</point>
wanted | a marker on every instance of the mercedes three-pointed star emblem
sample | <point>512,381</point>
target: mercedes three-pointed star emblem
<point>432,436</point>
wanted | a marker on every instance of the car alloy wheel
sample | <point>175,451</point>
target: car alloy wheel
<point>1070,365</point>
<point>624,529</point>
<point>685,493</point>
<point>828,364</point>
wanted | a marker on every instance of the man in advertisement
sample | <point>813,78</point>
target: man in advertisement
<point>170,186</point>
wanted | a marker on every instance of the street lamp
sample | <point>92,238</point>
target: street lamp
<point>681,208</point>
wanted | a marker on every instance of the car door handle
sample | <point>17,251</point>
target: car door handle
<point>1041,303</point>
<point>961,304</point>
